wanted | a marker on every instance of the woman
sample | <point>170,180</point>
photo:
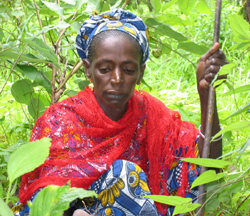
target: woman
<point>105,138</point>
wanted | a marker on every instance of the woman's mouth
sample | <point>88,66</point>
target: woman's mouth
<point>114,96</point>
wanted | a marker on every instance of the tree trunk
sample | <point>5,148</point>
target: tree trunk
<point>247,9</point>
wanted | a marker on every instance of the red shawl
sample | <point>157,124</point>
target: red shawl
<point>85,142</point>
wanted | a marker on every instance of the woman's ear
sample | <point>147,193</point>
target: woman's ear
<point>143,66</point>
<point>87,65</point>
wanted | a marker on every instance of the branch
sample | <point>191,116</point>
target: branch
<point>14,67</point>
<point>125,3</point>
<point>53,85</point>
<point>40,22</point>
<point>77,66</point>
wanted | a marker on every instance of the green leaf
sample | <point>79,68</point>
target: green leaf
<point>1,35</point>
<point>186,5</point>
<point>55,7</point>
<point>205,6</point>
<point>240,28</point>
<point>36,108</point>
<point>14,54</point>
<point>2,119</point>
<point>225,69</point>
<point>17,13</point>
<point>241,89</point>
<point>22,91</point>
<point>71,2</point>
<point>206,177</point>
<point>169,200</point>
<point>235,126</point>
<point>43,49</point>
<point>75,26</point>
<point>79,3</point>
<point>163,29</point>
<point>240,46</point>
<point>185,208</point>
<point>4,209</point>
<point>156,5</point>
<point>93,5</point>
<point>171,19</point>
<point>29,157</point>
<point>168,5</point>
<point>116,5</point>
<point>193,48</point>
<point>207,162</point>
<point>55,200</point>
<point>239,111</point>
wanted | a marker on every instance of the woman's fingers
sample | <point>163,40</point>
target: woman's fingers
<point>210,52</point>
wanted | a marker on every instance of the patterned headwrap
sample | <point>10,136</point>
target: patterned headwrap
<point>116,19</point>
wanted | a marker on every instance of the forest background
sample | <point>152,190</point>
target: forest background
<point>40,66</point>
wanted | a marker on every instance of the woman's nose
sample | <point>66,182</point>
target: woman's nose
<point>117,76</point>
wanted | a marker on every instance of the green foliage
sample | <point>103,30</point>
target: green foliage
<point>34,59</point>
<point>55,200</point>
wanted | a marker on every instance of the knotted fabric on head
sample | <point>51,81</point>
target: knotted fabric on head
<point>117,19</point>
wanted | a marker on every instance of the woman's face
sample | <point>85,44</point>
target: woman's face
<point>115,70</point>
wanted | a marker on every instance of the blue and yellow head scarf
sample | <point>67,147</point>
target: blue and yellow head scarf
<point>117,19</point>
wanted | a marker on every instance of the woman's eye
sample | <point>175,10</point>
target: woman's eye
<point>104,69</point>
<point>129,71</point>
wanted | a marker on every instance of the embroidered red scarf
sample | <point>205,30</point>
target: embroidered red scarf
<point>85,142</point>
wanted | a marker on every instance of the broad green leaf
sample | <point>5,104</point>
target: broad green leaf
<point>166,48</point>
<point>43,49</point>
<point>29,157</point>
<point>75,26</point>
<point>168,5</point>
<point>55,200</point>
<point>218,82</point>
<point>71,93</point>
<point>83,84</point>
<point>17,13</point>
<point>4,209</point>
<point>185,208</point>
<point>243,149</point>
<point>169,200</point>
<point>205,6</point>
<point>93,5</point>
<point>231,127</point>
<point>225,69</point>
<point>240,46</point>
<point>22,91</point>
<point>240,28</point>
<point>1,35</point>
<point>207,162</point>
<point>36,108</point>
<point>79,3</point>
<point>71,2</point>
<point>116,5</point>
<point>239,111</point>
<point>55,7</point>
<point>2,119</point>
<point>156,5</point>
<point>241,89</point>
<point>163,29</point>
<point>186,5</point>
<point>14,54</point>
<point>206,177</point>
<point>171,19</point>
<point>193,48</point>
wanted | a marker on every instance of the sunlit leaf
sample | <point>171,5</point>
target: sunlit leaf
<point>169,200</point>
<point>227,68</point>
<point>240,46</point>
<point>233,127</point>
<point>239,111</point>
<point>241,89</point>
<point>116,5</point>
<point>29,157</point>
<point>55,7</point>
<point>208,162</point>
<point>206,177</point>
<point>93,5</point>
<point>205,6</point>
<point>22,91</point>
<point>168,5</point>
<point>156,5</point>
<point>193,48</point>
<point>163,29</point>
<point>171,19</point>
<point>55,200</point>
<point>71,2</point>
<point>186,5</point>
<point>1,35</point>
<point>4,209</point>
<point>240,28</point>
<point>186,207</point>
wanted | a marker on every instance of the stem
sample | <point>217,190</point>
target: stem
<point>8,193</point>
<point>13,67</point>
<point>241,204</point>
<point>125,3</point>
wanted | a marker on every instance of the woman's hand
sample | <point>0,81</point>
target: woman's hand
<point>209,65</point>
<point>80,212</point>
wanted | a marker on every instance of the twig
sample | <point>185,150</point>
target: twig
<point>125,3</point>
<point>175,51</point>
<point>241,204</point>
<point>14,67</point>
<point>40,22</point>
<point>77,66</point>
<point>65,66</point>
<point>53,85</point>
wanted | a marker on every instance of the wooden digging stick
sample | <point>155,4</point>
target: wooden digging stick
<point>210,111</point>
